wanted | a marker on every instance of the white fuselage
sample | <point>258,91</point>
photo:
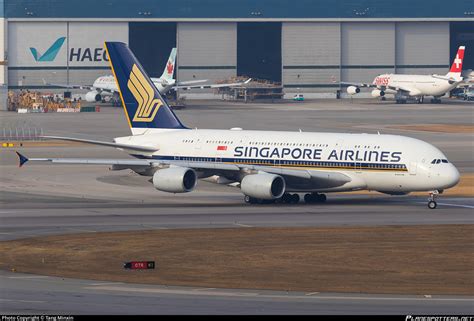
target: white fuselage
<point>415,85</point>
<point>386,163</point>
<point>108,84</point>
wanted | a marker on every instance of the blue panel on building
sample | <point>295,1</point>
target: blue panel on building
<point>237,9</point>
<point>1,8</point>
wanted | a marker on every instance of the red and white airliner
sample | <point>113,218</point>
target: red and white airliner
<point>414,87</point>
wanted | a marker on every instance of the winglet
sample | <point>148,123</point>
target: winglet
<point>22,159</point>
<point>247,81</point>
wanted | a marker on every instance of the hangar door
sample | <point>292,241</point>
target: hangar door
<point>151,42</point>
<point>367,50</point>
<point>311,54</point>
<point>207,50</point>
<point>462,34</point>
<point>259,50</point>
<point>422,47</point>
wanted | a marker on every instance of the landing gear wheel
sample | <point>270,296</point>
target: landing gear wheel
<point>286,198</point>
<point>322,198</point>
<point>295,198</point>
<point>432,199</point>
<point>314,198</point>
<point>421,99</point>
<point>251,200</point>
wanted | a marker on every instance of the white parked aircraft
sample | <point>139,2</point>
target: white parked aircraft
<point>106,85</point>
<point>267,165</point>
<point>406,87</point>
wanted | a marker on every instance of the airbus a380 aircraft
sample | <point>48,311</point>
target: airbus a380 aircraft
<point>106,85</point>
<point>267,165</point>
<point>414,86</point>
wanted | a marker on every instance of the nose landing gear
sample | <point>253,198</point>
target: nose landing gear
<point>432,200</point>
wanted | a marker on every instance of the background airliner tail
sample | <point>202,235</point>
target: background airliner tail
<point>169,68</point>
<point>456,67</point>
<point>144,107</point>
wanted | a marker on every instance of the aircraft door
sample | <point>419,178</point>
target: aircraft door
<point>413,168</point>
<point>358,166</point>
<point>276,162</point>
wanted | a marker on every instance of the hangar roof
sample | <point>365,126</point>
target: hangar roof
<point>237,9</point>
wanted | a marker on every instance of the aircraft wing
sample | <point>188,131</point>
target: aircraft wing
<point>405,90</point>
<point>211,85</point>
<point>102,143</point>
<point>190,82</point>
<point>357,84</point>
<point>306,177</point>
<point>89,87</point>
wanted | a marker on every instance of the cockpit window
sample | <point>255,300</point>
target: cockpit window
<point>438,161</point>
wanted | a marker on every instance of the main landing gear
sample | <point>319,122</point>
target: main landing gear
<point>285,199</point>
<point>315,198</point>
<point>432,200</point>
<point>288,198</point>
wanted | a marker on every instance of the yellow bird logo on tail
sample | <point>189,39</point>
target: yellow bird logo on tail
<point>144,94</point>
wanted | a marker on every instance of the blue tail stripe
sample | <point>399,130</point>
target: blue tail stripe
<point>144,105</point>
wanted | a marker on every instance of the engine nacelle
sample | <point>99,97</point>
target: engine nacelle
<point>175,179</point>
<point>93,96</point>
<point>352,90</point>
<point>377,93</point>
<point>263,186</point>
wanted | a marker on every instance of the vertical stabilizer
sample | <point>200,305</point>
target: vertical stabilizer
<point>456,67</point>
<point>169,68</point>
<point>144,107</point>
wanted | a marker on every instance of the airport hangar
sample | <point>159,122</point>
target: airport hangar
<point>308,46</point>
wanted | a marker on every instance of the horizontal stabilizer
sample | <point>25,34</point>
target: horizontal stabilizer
<point>22,159</point>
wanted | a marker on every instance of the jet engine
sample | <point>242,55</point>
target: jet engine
<point>352,90</point>
<point>377,93</point>
<point>263,186</point>
<point>93,96</point>
<point>175,179</point>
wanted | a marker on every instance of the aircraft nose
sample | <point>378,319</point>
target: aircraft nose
<point>450,176</point>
